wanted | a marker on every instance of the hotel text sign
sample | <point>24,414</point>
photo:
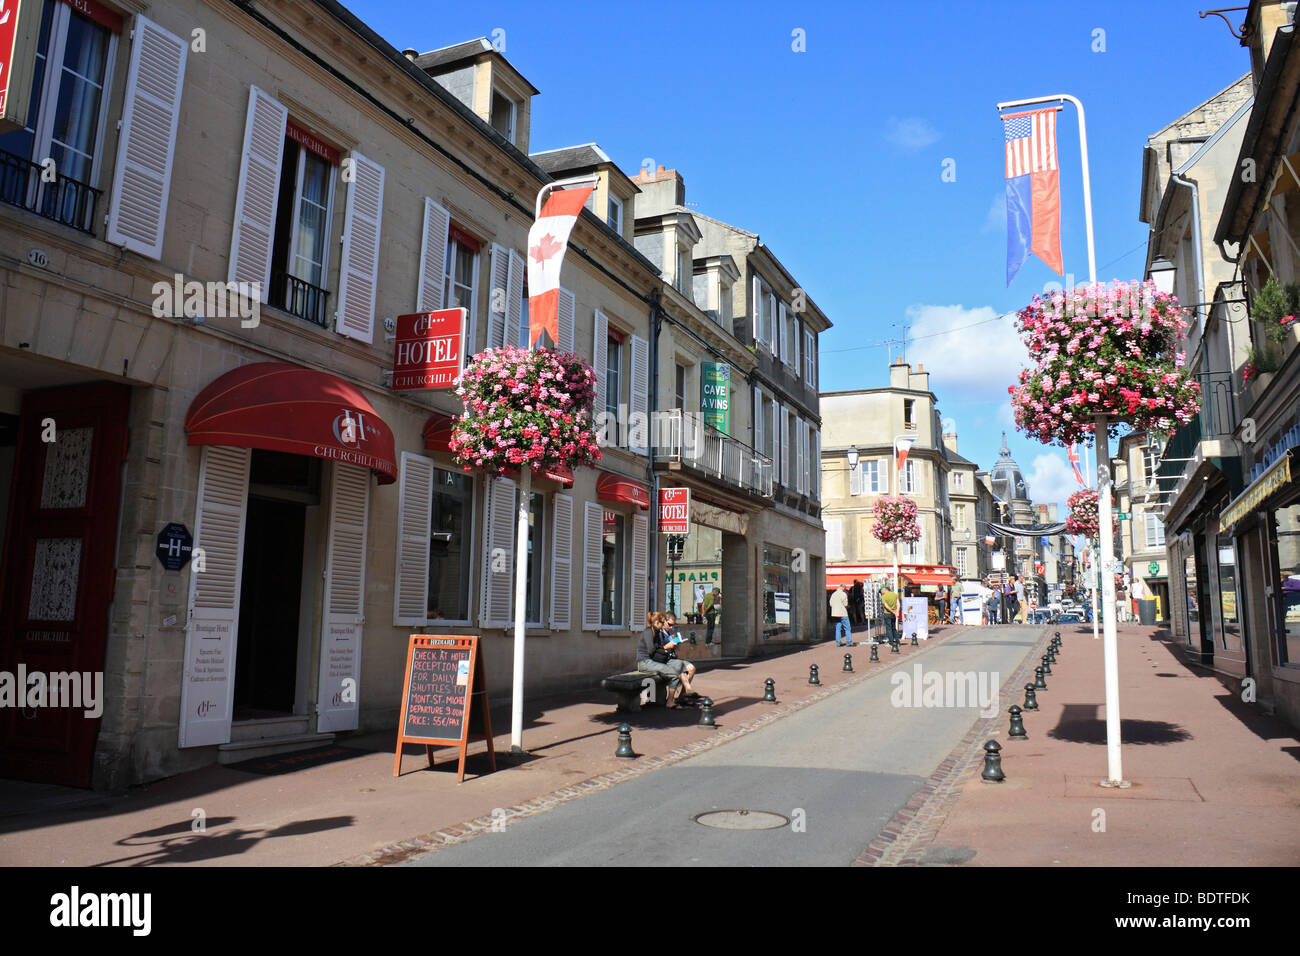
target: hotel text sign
<point>428,352</point>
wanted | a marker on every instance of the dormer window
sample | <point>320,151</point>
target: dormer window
<point>615,218</point>
<point>683,272</point>
<point>504,110</point>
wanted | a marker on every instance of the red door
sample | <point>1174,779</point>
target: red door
<point>58,574</point>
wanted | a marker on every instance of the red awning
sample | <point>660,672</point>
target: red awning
<point>943,579</point>
<point>437,432</point>
<point>612,487</point>
<point>279,407</point>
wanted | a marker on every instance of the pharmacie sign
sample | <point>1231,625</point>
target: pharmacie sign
<point>428,351</point>
<point>715,395</point>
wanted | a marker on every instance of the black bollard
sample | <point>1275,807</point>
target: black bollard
<point>914,643</point>
<point>875,654</point>
<point>1047,666</point>
<point>706,712</point>
<point>992,763</point>
<point>769,691</point>
<point>1017,731</point>
<point>893,645</point>
<point>848,663</point>
<point>1039,683</point>
<point>812,675</point>
<point>624,742</point>
<point>1051,655</point>
<point>1031,699</point>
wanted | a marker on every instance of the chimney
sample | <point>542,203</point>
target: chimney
<point>410,54</point>
<point>920,379</point>
<point>899,373</point>
<point>950,441</point>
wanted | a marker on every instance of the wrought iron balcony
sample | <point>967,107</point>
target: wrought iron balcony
<point>1218,405</point>
<point>62,199</point>
<point>298,297</point>
<point>687,440</point>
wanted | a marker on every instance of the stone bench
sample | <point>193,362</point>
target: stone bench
<point>631,685</point>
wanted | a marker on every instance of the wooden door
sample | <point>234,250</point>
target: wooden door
<point>58,576</point>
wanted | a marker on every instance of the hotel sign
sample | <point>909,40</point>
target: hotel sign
<point>428,350</point>
<point>675,510</point>
<point>20,23</point>
<point>1250,499</point>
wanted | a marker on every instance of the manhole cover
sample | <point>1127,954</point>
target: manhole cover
<point>742,819</point>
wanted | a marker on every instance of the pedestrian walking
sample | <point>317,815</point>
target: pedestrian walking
<point>840,614</point>
<point>711,615</point>
<point>1022,605</point>
<point>956,592</point>
<point>857,604</point>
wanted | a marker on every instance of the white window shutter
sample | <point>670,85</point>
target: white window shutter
<point>258,191</point>
<point>561,562</point>
<point>756,303</point>
<point>344,615</point>
<point>498,296</point>
<point>834,539</point>
<point>592,552</point>
<point>815,479</point>
<point>214,596</point>
<point>810,363</point>
<point>146,149</point>
<point>796,334</point>
<point>431,290</point>
<point>496,609</point>
<point>639,403</point>
<point>782,337</point>
<point>514,298</point>
<point>359,268</point>
<point>414,513</point>
<point>640,565</point>
<point>856,484</point>
<point>758,421</point>
<point>599,357</point>
<point>801,456</point>
<point>784,418</point>
<point>567,308</point>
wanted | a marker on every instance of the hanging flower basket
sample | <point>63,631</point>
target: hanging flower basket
<point>1083,513</point>
<point>896,519</point>
<point>1103,350</point>
<point>525,408</point>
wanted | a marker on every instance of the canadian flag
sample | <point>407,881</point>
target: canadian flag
<point>559,203</point>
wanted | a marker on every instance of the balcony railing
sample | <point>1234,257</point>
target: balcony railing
<point>62,199</point>
<point>686,439</point>
<point>298,297</point>
<point>1178,450</point>
<point>1218,405</point>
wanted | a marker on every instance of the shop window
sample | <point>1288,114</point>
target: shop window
<point>1228,604</point>
<point>65,121</point>
<point>300,254</point>
<point>613,552</point>
<point>1286,535</point>
<point>780,611</point>
<point>451,519</point>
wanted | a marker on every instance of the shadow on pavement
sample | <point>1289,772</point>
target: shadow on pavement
<point>179,843</point>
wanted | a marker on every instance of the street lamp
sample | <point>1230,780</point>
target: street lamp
<point>853,456</point>
<point>1162,274</point>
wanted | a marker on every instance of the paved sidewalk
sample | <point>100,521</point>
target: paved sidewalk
<point>1214,781</point>
<point>355,811</point>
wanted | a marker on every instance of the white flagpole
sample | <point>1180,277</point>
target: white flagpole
<point>1101,444</point>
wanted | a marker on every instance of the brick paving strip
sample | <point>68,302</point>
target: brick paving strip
<point>904,840</point>
<point>459,833</point>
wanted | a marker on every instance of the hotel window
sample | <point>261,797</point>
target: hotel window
<point>907,482</point>
<point>65,120</point>
<point>462,274</point>
<point>503,115</point>
<point>1155,532</point>
<point>613,373</point>
<point>615,218</point>
<point>613,551</point>
<point>300,254</point>
<point>451,519</point>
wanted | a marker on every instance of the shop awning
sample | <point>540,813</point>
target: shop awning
<point>941,578</point>
<point>612,487</point>
<point>1275,478</point>
<point>275,406</point>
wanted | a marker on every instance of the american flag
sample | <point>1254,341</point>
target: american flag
<point>1031,142</point>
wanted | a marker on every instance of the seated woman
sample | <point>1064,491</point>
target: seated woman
<point>656,655</point>
<point>688,671</point>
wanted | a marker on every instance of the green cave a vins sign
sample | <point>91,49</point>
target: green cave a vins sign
<point>715,395</point>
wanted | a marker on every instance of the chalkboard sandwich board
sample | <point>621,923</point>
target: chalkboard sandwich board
<point>444,698</point>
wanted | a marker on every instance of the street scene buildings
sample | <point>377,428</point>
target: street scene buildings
<point>233,517</point>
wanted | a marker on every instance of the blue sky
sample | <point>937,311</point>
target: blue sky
<point>835,155</point>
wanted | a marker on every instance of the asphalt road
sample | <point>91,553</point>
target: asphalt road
<point>838,770</point>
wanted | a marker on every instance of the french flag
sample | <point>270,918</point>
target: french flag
<point>1033,190</point>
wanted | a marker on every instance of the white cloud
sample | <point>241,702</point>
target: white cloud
<point>1006,417</point>
<point>910,132</point>
<point>1051,479</point>
<point>972,354</point>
